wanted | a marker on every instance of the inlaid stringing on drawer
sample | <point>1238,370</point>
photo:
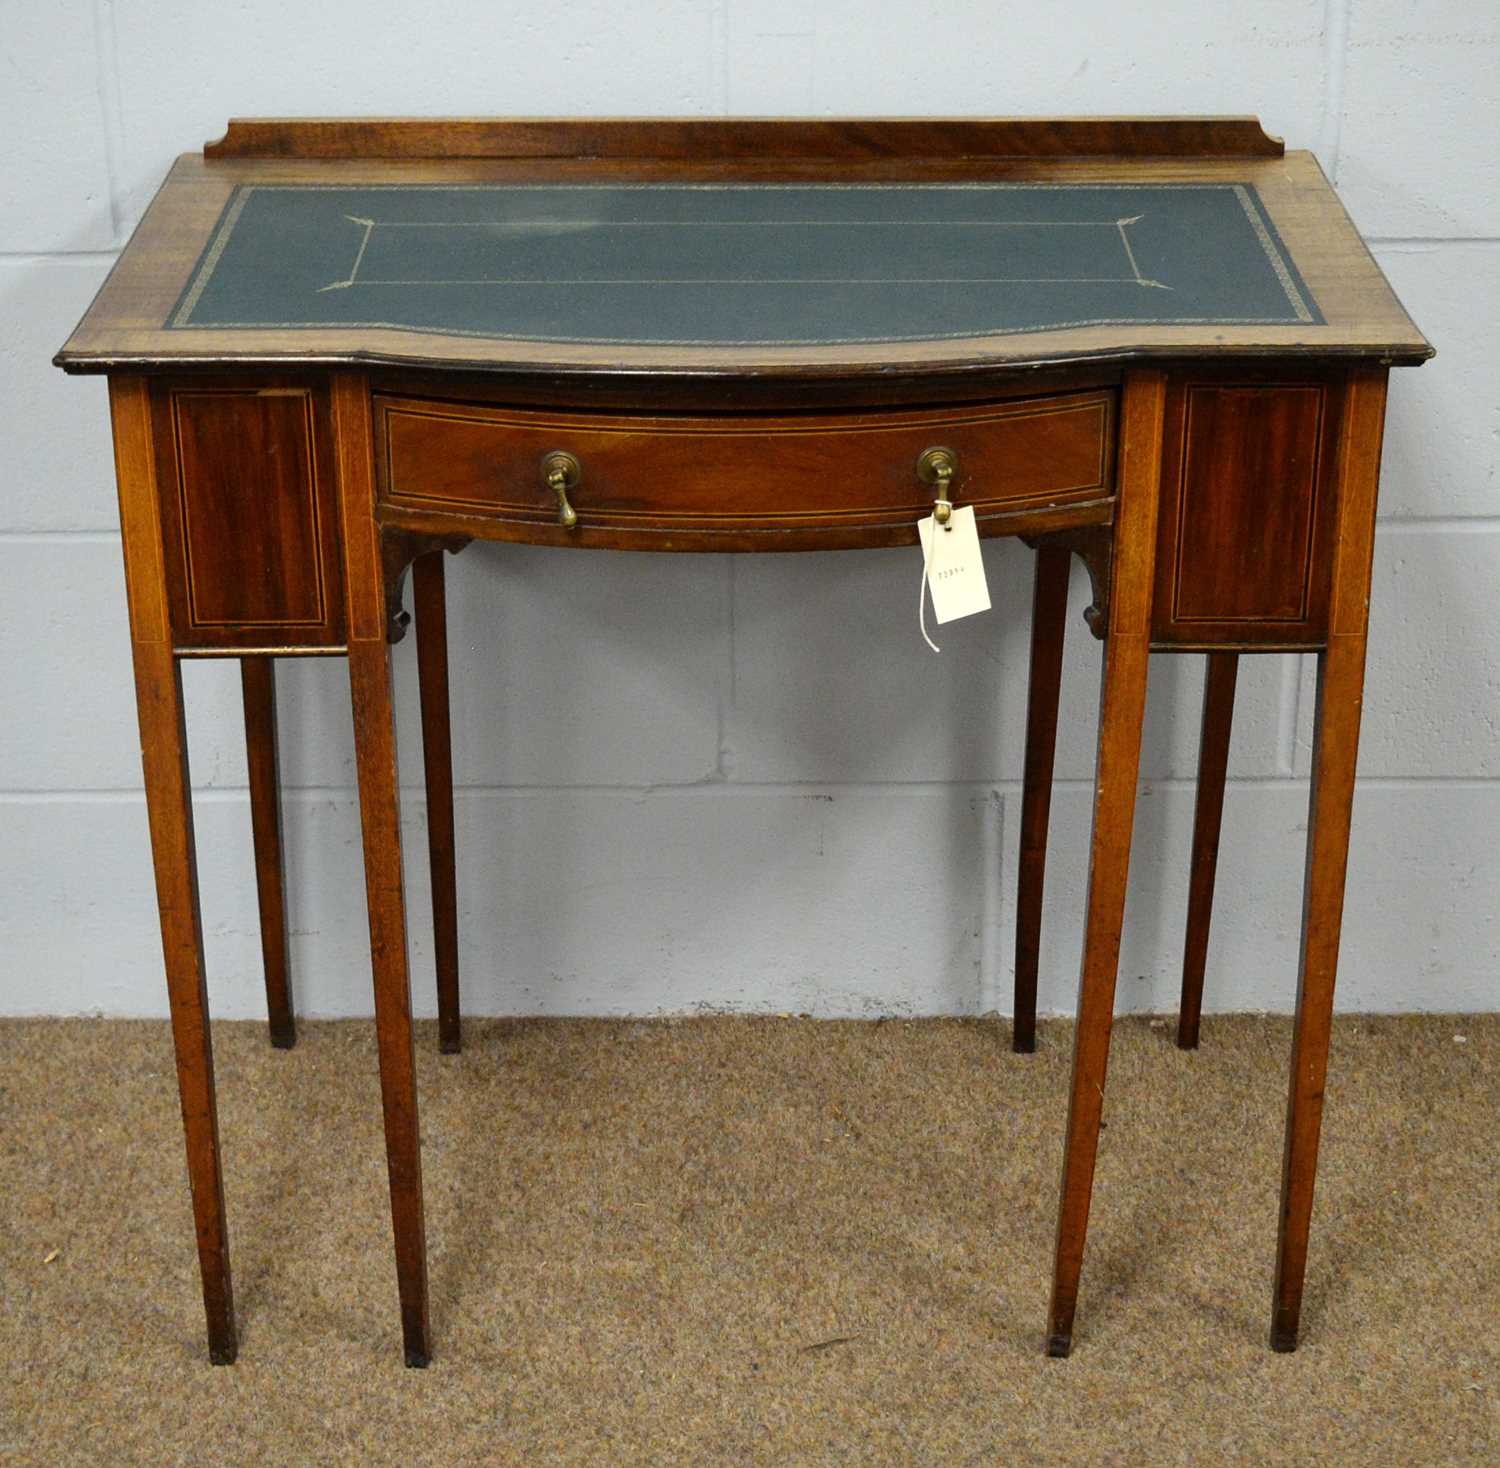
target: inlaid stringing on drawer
<point>743,471</point>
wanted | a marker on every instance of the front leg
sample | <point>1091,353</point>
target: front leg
<point>1122,707</point>
<point>169,806</point>
<point>380,821</point>
<point>1341,673</point>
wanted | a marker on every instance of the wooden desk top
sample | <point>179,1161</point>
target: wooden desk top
<point>751,249</point>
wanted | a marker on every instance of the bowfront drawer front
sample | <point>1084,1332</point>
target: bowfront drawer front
<point>681,481</point>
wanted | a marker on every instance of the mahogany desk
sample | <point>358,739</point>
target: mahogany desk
<point>336,349</point>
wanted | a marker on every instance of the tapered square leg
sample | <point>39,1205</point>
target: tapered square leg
<point>380,823</point>
<point>258,683</point>
<point>1341,670</point>
<point>1123,703</point>
<point>1340,680</point>
<point>1122,708</point>
<point>1049,611</point>
<point>1213,770</point>
<point>169,806</point>
<point>437,760</point>
<point>158,683</point>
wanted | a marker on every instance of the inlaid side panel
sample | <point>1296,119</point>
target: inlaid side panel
<point>1246,499</point>
<point>248,516</point>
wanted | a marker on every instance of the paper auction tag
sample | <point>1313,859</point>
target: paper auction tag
<point>955,568</point>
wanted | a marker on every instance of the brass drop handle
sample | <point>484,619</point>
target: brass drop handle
<point>937,466</point>
<point>560,473</point>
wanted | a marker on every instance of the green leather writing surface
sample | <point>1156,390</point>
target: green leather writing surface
<point>745,264</point>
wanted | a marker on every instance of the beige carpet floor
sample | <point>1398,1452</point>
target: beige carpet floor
<point>731,1241</point>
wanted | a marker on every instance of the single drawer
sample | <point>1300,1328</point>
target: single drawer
<point>747,478</point>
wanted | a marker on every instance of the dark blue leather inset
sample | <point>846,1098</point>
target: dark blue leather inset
<point>742,265</point>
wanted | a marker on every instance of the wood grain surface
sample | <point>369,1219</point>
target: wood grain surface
<point>169,807</point>
<point>1208,815</point>
<point>430,609</point>
<point>263,765</point>
<point>1340,694</point>
<point>126,322</point>
<point>654,474</point>
<point>730,137</point>
<point>380,823</point>
<point>1049,612</point>
<point>1122,706</point>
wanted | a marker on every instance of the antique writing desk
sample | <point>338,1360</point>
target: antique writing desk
<point>336,349</point>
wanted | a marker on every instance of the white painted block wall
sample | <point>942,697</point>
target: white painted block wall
<point>743,782</point>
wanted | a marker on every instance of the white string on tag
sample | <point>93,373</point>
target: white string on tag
<point>927,561</point>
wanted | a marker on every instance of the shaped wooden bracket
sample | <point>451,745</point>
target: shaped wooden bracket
<point>1094,546</point>
<point>398,549</point>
